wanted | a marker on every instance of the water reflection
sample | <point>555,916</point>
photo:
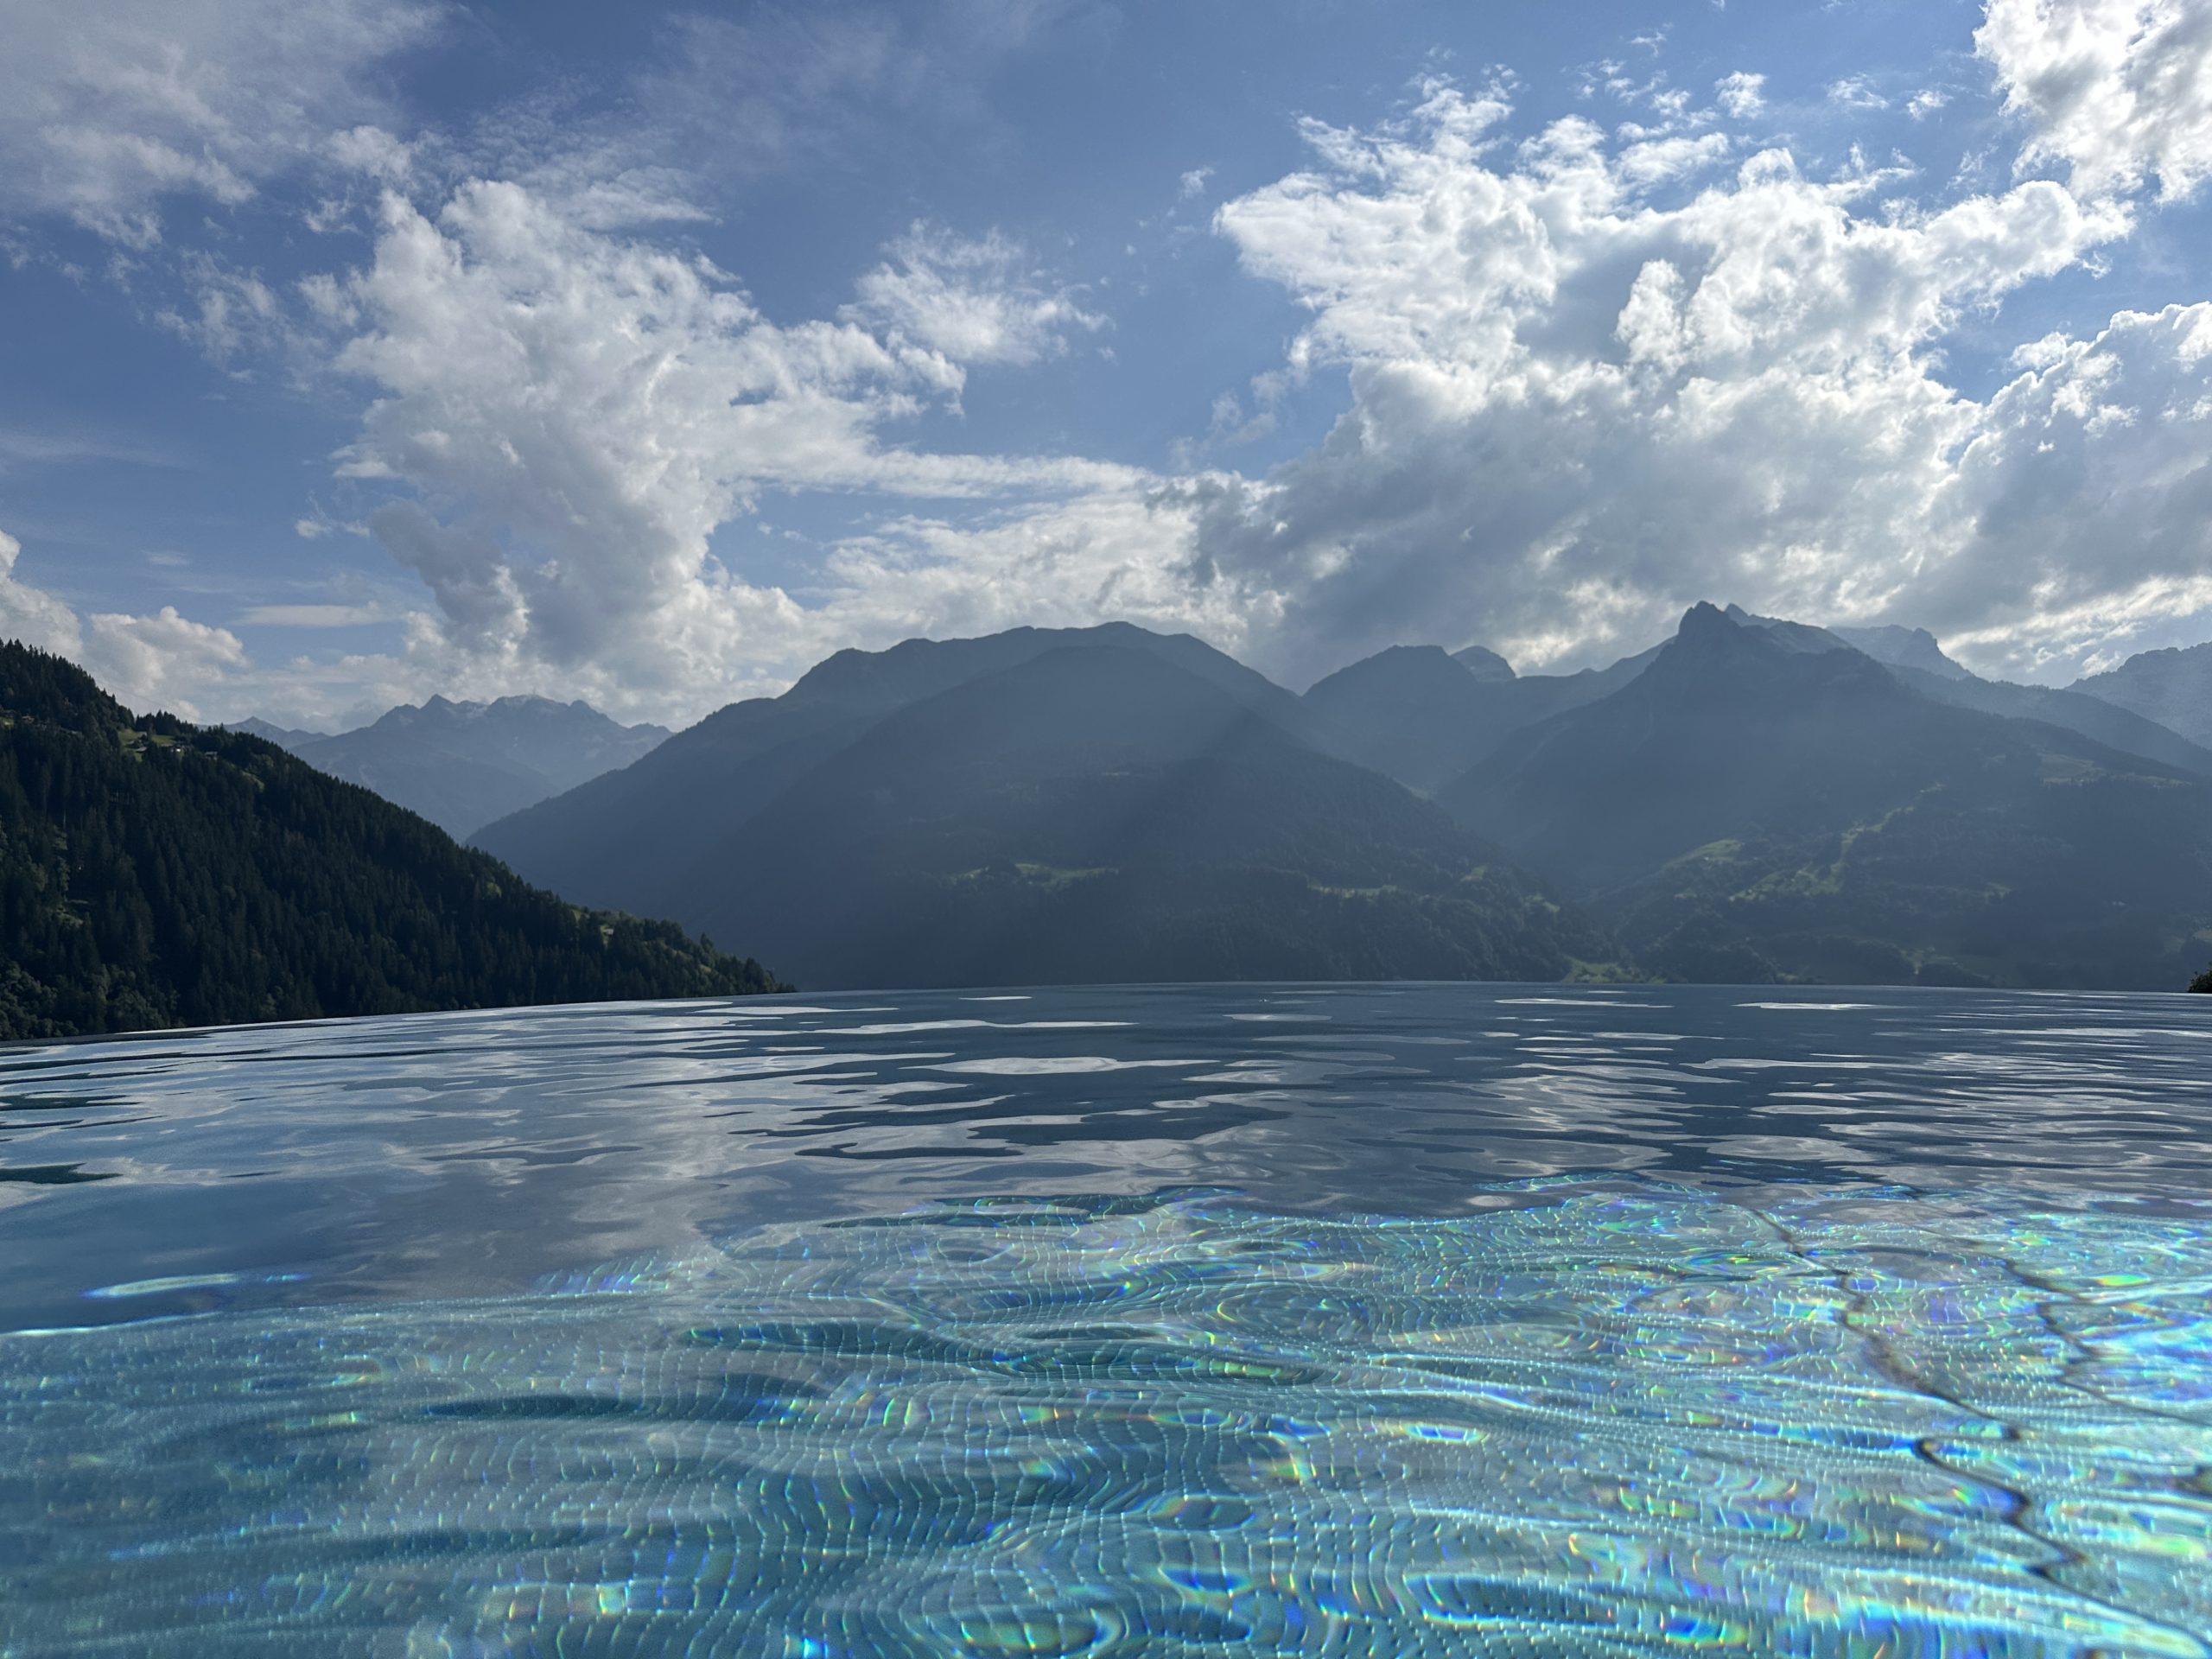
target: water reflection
<point>467,1155</point>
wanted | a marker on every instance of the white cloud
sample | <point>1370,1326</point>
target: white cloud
<point>1655,160</point>
<point>1856,93</point>
<point>30,614</point>
<point>968,301</point>
<point>1925,103</point>
<point>571,415</point>
<point>162,661</point>
<point>2118,92</point>
<point>1741,94</point>
<point>230,311</point>
<point>108,110</point>
<point>1572,414</point>
<point>1194,181</point>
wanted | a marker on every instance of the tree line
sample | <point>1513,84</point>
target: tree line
<point>153,872</point>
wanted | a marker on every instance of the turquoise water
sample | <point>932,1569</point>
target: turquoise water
<point>1412,1322</point>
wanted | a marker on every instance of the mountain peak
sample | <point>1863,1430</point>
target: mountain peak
<point>1706,622</point>
<point>1484,662</point>
<point>1902,647</point>
<point>2172,686</point>
<point>1396,670</point>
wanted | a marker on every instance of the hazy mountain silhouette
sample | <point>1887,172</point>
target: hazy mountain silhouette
<point>1903,648</point>
<point>282,736</point>
<point>1754,805</point>
<point>461,765</point>
<point>1092,804</point>
<point>1423,717</point>
<point>1482,663</point>
<point>1098,814</point>
<point>2172,687</point>
<point>1914,656</point>
<point>153,872</point>
<point>2077,711</point>
<point>618,839</point>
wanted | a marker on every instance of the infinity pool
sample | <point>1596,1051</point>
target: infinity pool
<point>1373,1321</point>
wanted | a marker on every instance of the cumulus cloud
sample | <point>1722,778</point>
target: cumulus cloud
<point>967,302</point>
<point>1741,94</point>
<point>569,416</point>
<point>2118,92</point>
<point>162,661</point>
<point>108,110</point>
<point>1573,413</point>
<point>1589,376</point>
<point>1577,404</point>
<point>30,614</point>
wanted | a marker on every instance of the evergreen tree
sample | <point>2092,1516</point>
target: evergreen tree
<point>153,872</point>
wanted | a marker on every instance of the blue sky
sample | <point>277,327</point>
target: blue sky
<point>353,350</point>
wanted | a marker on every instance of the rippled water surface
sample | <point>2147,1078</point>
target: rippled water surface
<point>1389,1321</point>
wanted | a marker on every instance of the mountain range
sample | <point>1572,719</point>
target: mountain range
<point>1044,806</point>
<point>1763,802</point>
<point>461,765</point>
<point>153,872</point>
<point>1753,799</point>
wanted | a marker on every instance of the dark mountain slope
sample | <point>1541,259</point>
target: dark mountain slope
<point>629,839</point>
<point>461,765</point>
<point>153,874</point>
<point>1749,807</point>
<point>2171,687</point>
<point>1099,814</point>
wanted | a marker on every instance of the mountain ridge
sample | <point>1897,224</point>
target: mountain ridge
<point>1751,808</point>
<point>462,764</point>
<point>1093,808</point>
<point>2171,686</point>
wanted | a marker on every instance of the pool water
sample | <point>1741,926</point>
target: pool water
<point>1405,1321</point>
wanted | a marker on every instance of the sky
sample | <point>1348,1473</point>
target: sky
<point>353,351</point>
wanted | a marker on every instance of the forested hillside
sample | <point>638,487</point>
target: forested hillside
<point>153,872</point>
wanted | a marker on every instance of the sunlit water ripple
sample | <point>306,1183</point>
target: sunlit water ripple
<point>1403,1321</point>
